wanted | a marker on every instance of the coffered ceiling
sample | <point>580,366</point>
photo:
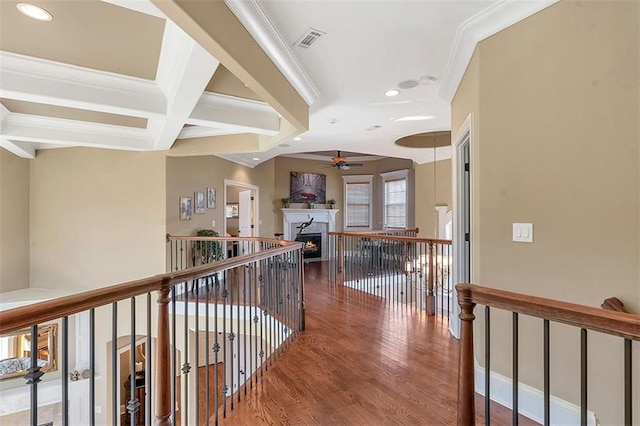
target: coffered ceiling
<point>119,74</point>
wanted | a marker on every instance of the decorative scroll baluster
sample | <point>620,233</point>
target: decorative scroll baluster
<point>33,375</point>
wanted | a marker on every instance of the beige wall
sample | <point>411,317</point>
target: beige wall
<point>97,217</point>
<point>285,165</point>
<point>14,222</point>
<point>188,174</point>
<point>557,146</point>
<point>425,200</point>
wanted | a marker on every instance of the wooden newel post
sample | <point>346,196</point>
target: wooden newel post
<point>431,297</point>
<point>466,385</point>
<point>163,365</point>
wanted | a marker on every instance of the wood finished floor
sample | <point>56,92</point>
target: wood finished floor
<point>360,362</point>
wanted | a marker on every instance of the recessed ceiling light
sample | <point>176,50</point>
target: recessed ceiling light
<point>392,92</point>
<point>297,138</point>
<point>33,11</point>
<point>415,118</point>
<point>256,159</point>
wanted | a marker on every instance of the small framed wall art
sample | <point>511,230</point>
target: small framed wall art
<point>211,198</point>
<point>199,202</point>
<point>185,208</point>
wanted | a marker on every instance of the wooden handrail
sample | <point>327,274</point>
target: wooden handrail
<point>382,231</point>
<point>610,322</point>
<point>38,313</point>
<point>246,239</point>
<point>390,238</point>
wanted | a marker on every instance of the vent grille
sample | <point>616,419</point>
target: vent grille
<point>308,38</point>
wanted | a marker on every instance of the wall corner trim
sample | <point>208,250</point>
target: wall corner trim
<point>479,27</point>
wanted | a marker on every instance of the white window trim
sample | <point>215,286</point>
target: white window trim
<point>357,179</point>
<point>396,175</point>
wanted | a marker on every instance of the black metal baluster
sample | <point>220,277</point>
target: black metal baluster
<point>583,377</point>
<point>207,414</point>
<point>133,404</point>
<point>216,346</point>
<point>115,412</point>
<point>232,337</point>
<point>33,375</point>
<point>196,349</point>
<point>245,273</point>
<point>487,365</point>
<point>92,365</point>
<point>628,384</point>
<point>65,371</point>
<point>225,295</point>
<point>148,376</point>
<point>515,362</point>
<point>547,374</point>
<point>186,366</point>
<point>174,357</point>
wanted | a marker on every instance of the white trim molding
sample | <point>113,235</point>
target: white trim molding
<point>530,400</point>
<point>479,27</point>
<point>256,22</point>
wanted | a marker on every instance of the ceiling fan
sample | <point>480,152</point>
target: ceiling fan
<point>340,162</point>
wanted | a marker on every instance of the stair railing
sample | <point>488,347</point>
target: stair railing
<point>245,310</point>
<point>624,325</point>
<point>415,272</point>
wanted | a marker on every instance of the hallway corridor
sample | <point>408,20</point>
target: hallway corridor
<point>359,362</point>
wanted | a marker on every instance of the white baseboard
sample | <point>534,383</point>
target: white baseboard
<point>530,400</point>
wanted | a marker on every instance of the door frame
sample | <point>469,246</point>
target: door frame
<point>255,192</point>
<point>463,137</point>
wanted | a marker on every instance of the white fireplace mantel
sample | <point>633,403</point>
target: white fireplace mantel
<point>297,216</point>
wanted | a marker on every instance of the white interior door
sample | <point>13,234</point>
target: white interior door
<point>245,219</point>
<point>245,214</point>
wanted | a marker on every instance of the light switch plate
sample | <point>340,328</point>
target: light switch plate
<point>523,232</point>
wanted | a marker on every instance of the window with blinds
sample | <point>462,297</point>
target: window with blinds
<point>395,203</point>
<point>358,204</point>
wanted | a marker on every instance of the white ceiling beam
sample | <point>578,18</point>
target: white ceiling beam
<point>256,22</point>
<point>184,70</point>
<point>21,149</point>
<point>37,80</point>
<point>235,114</point>
<point>47,130</point>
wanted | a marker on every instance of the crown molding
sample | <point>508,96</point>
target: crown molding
<point>237,159</point>
<point>256,22</point>
<point>479,27</point>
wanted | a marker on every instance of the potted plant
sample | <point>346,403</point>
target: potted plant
<point>207,251</point>
<point>332,203</point>
<point>286,202</point>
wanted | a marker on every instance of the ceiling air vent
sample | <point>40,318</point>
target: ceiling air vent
<point>372,128</point>
<point>308,38</point>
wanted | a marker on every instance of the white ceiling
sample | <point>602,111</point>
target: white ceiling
<point>81,95</point>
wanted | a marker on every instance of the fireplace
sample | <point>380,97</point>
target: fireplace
<point>312,248</point>
<point>324,221</point>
